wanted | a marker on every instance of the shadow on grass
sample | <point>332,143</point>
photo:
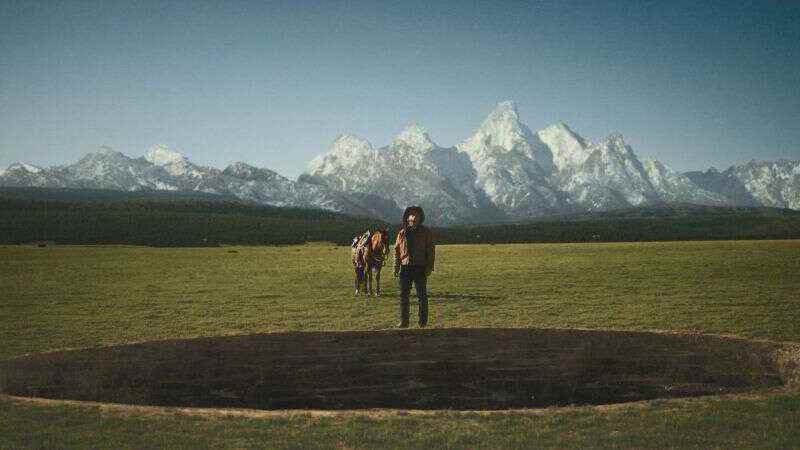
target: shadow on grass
<point>420,369</point>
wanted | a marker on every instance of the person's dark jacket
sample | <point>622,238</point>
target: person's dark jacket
<point>414,247</point>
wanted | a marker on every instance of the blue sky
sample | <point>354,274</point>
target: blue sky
<point>690,83</point>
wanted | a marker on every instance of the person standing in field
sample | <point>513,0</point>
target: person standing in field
<point>414,255</point>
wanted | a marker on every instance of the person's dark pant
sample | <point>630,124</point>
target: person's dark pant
<point>413,275</point>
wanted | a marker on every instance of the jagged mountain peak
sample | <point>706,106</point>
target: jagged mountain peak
<point>674,187</point>
<point>249,172</point>
<point>106,150</point>
<point>240,169</point>
<point>505,110</point>
<point>558,127</point>
<point>652,162</point>
<point>346,147</point>
<point>616,138</point>
<point>615,143</point>
<point>657,168</point>
<point>416,137</point>
<point>569,149</point>
<point>347,151</point>
<point>104,154</point>
<point>564,132</point>
<point>241,165</point>
<point>243,168</point>
<point>24,167</point>
<point>349,143</point>
<point>23,174</point>
<point>162,155</point>
<point>503,118</point>
<point>501,129</point>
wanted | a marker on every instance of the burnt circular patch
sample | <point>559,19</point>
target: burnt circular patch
<point>429,369</point>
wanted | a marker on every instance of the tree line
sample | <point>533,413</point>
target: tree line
<point>169,222</point>
<point>206,222</point>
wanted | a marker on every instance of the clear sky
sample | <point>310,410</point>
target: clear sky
<point>272,83</point>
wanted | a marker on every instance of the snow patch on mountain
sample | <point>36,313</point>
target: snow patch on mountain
<point>677,188</point>
<point>568,148</point>
<point>775,183</point>
<point>413,169</point>
<point>349,163</point>
<point>512,165</point>
<point>416,137</point>
<point>20,174</point>
<point>162,155</point>
<point>172,161</point>
<point>500,132</point>
<point>612,166</point>
<point>346,151</point>
<point>30,168</point>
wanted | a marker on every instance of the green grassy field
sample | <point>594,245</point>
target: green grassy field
<point>75,297</point>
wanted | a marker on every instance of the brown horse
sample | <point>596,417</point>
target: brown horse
<point>377,252</point>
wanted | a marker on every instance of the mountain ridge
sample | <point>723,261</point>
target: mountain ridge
<point>503,171</point>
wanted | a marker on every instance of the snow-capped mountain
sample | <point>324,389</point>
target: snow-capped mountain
<point>109,169</point>
<point>164,169</point>
<point>610,177</point>
<point>568,149</point>
<point>503,171</point>
<point>673,187</point>
<point>513,166</point>
<point>412,169</point>
<point>756,183</point>
<point>348,165</point>
<point>23,174</point>
<point>267,187</point>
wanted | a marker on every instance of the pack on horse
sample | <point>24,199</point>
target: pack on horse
<point>358,256</point>
<point>377,252</point>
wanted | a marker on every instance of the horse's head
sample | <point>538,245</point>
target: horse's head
<point>380,242</point>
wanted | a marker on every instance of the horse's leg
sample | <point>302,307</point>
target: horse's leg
<point>369,280</point>
<point>378,280</point>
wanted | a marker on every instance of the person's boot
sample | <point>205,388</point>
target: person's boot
<point>405,312</point>
<point>423,312</point>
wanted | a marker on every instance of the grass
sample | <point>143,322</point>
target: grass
<point>74,297</point>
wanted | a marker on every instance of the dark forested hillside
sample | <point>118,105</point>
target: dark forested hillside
<point>668,222</point>
<point>148,218</point>
<point>186,219</point>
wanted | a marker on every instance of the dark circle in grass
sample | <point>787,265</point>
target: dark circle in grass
<point>470,369</point>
